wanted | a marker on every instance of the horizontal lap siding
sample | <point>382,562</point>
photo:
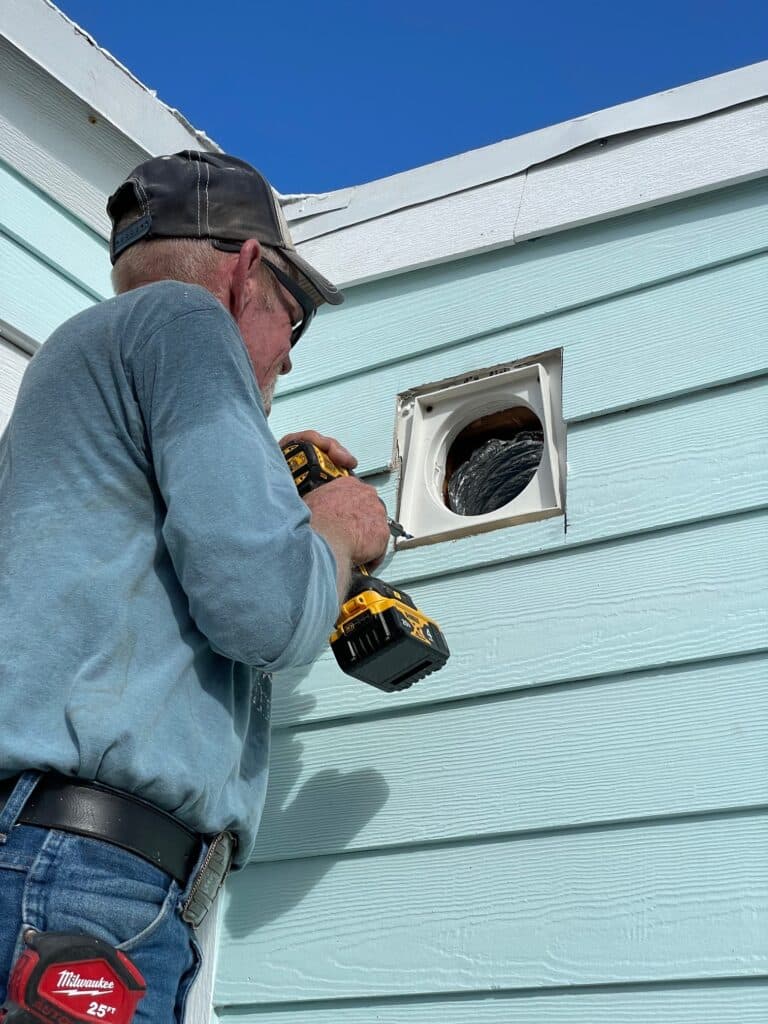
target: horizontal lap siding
<point>667,901</point>
<point>630,475</point>
<point>567,822</point>
<point>430,309</point>
<point>662,598</point>
<point>53,234</point>
<point>662,465</point>
<point>744,1002</point>
<point>669,339</point>
<point>51,265</point>
<point>626,747</point>
<point>34,297</point>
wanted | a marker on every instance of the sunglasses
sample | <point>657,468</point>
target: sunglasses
<point>308,307</point>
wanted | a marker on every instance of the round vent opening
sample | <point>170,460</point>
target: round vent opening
<point>492,460</point>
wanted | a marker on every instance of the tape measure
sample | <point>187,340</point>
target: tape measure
<point>67,978</point>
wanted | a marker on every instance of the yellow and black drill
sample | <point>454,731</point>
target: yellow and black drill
<point>381,637</point>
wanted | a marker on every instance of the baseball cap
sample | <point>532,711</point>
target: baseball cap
<point>213,196</point>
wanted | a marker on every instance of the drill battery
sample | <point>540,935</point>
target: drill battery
<point>381,637</point>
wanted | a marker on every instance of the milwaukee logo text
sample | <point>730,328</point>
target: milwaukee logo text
<point>71,983</point>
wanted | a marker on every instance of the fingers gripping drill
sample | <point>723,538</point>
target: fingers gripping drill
<point>381,637</point>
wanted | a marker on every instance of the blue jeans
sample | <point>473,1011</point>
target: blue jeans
<point>55,881</point>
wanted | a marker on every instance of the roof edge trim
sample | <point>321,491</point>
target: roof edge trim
<point>512,156</point>
<point>609,178</point>
<point>44,34</point>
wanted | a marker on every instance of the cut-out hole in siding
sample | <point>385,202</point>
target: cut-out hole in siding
<point>480,451</point>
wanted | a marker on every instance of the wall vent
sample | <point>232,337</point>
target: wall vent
<point>482,450</point>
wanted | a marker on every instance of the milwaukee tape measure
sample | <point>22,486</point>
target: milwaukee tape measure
<point>65,978</point>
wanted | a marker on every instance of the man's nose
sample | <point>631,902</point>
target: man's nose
<point>287,365</point>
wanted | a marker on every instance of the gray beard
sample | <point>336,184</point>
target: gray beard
<point>267,393</point>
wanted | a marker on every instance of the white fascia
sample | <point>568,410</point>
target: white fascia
<point>71,56</point>
<point>611,177</point>
<point>337,210</point>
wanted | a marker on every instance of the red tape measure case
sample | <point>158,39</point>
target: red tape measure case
<point>66,978</point>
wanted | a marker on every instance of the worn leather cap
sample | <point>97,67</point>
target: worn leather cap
<point>194,194</point>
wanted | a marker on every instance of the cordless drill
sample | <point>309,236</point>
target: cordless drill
<point>380,637</point>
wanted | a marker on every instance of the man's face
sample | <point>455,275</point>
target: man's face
<point>265,325</point>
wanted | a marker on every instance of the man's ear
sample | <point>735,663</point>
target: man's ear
<point>243,282</point>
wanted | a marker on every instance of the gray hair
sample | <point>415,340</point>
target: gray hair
<point>190,260</point>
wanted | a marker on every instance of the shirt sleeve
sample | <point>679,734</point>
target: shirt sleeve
<point>261,583</point>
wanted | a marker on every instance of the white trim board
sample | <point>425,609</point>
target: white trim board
<point>329,212</point>
<point>73,121</point>
<point>13,363</point>
<point>71,56</point>
<point>629,172</point>
<point>18,339</point>
<point>48,136</point>
<point>199,1008</point>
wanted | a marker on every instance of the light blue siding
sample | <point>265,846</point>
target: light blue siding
<point>745,1003</point>
<point>663,598</point>
<point>567,823</point>
<point>668,339</point>
<point>34,297</point>
<point>51,265</point>
<point>664,464</point>
<point>53,235</point>
<point>671,900</point>
<point>431,309</point>
<point>620,748</point>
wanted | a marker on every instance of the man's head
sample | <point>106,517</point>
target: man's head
<point>213,220</point>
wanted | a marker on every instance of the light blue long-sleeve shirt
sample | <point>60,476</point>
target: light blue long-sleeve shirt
<point>156,562</point>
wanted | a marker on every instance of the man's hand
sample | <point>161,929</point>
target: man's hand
<point>346,512</point>
<point>352,518</point>
<point>335,451</point>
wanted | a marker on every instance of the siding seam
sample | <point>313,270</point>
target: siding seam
<point>749,511</point>
<point>531,321</point>
<point>502,995</point>
<point>496,696</point>
<point>56,268</point>
<point>757,811</point>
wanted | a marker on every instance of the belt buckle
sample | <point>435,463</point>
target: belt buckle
<point>209,879</point>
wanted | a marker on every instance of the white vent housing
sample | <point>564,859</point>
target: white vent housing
<point>432,417</point>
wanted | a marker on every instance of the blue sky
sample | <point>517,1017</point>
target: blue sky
<point>320,96</point>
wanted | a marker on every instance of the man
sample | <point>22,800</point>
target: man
<point>156,566</point>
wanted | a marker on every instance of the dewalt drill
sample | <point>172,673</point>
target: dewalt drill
<point>381,637</point>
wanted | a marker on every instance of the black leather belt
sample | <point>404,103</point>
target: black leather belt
<point>90,809</point>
